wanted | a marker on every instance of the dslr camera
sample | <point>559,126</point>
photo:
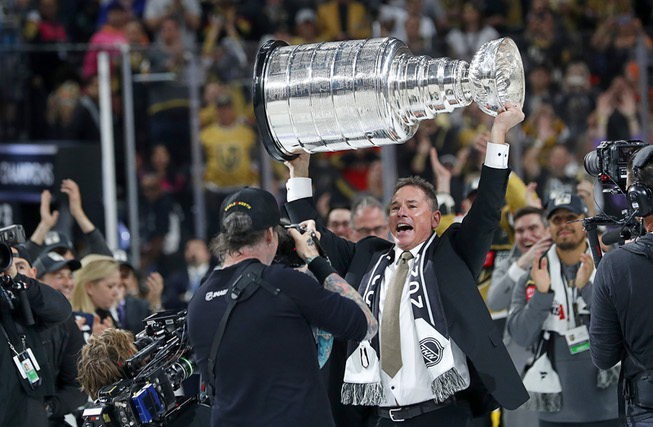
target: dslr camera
<point>609,162</point>
<point>9,236</point>
<point>12,291</point>
<point>146,396</point>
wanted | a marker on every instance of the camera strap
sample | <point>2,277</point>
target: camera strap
<point>244,286</point>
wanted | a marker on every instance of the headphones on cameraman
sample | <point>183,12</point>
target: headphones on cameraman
<point>640,196</point>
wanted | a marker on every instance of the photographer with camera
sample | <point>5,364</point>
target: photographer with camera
<point>262,362</point>
<point>620,329</point>
<point>27,308</point>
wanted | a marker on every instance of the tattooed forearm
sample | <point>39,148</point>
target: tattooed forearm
<point>337,284</point>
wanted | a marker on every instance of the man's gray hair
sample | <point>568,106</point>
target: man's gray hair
<point>366,201</point>
<point>422,184</point>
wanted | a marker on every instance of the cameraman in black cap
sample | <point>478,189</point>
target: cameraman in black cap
<point>25,375</point>
<point>621,328</point>
<point>264,368</point>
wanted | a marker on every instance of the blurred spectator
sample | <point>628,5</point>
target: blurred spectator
<point>85,123</point>
<point>44,27</point>
<point>160,225</point>
<point>172,180</point>
<point>57,272</point>
<point>544,40</point>
<point>413,156</point>
<point>84,22</point>
<point>616,114</point>
<point>223,52</point>
<point>343,20</point>
<point>134,8</point>
<point>216,89</point>
<point>305,27</point>
<point>138,41</point>
<point>62,104</point>
<point>408,24</point>
<point>186,13</point>
<point>540,88</point>
<point>230,149</point>
<point>577,99</point>
<point>265,17</point>
<point>420,32</point>
<point>558,175</point>
<point>97,288</point>
<point>375,179</point>
<point>546,129</point>
<point>614,42</point>
<point>182,284</point>
<point>463,42</point>
<point>107,39</point>
<point>168,100</point>
<point>130,310</point>
<point>48,68</point>
<point>368,218</point>
<point>338,220</point>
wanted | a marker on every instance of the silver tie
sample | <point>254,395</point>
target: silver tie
<point>390,332</point>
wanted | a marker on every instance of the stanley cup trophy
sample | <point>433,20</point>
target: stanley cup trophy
<point>365,93</point>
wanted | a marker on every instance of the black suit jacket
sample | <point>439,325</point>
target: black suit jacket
<point>136,310</point>
<point>455,260</point>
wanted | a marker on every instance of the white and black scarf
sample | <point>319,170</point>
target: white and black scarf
<point>362,382</point>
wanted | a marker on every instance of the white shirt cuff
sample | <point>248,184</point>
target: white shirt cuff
<point>298,188</point>
<point>496,155</point>
<point>515,272</point>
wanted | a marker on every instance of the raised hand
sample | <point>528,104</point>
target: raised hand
<point>540,275</point>
<point>443,175</point>
<point>48,219</point>
<point>298,167</point>
<point>70,187</point>
<point>534,252</point>
<point>506,120</point>
<point>585,270</point>
<point>306,248</point>
<point>532,199</point>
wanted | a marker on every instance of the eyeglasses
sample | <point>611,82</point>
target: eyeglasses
<point>338,224</point>
<point>563,219</point>
<point>368,231</point>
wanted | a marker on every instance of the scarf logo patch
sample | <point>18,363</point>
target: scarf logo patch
<point>432,351</point>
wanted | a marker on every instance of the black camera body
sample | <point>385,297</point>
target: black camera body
<point>147,395</point>
<point>9,236</point>
<point>609,162</point>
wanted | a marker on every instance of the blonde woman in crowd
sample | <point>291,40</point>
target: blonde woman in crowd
<point>97,289</point>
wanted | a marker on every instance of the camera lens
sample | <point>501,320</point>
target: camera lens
<point>592,165</point>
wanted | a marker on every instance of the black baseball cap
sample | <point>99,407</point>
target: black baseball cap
<point>568,201</point>
<point>23,252</point>
<point>57,240</point>
<point>259,205</point>
<point>49,262</point>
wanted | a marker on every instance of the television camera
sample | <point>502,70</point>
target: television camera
<point>146,396</point>
<point>609,163</point>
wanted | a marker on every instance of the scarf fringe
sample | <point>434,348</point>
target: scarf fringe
<point>362,394</point>
<point>447,384</point>
<point>544,402</point>
<point>609,377</point>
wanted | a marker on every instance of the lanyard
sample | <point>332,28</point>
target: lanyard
<point>572,309</point>
<point>11,346</point>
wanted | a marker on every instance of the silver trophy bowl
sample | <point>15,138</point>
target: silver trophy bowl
<point>366,93</point>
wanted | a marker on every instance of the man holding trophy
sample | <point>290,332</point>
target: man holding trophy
<point>437,359</point>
